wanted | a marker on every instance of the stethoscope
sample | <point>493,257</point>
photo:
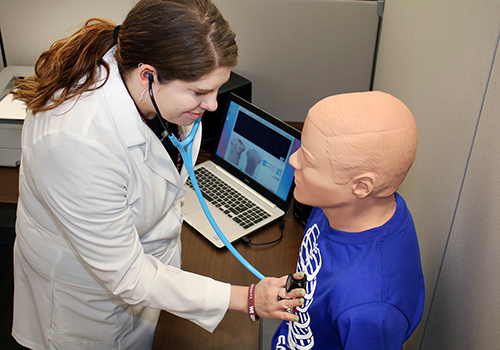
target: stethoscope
<point>185,148</point>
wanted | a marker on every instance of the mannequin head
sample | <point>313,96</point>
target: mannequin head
<point>354,146</point>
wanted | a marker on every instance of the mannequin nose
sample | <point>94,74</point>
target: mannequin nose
<point>294,161</point>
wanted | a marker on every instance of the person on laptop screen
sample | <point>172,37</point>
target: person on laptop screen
<point>365,287</point>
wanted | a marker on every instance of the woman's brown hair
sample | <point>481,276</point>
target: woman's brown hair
<point>182,39</point>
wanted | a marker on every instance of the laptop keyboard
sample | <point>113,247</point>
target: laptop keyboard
<point>236,206</point>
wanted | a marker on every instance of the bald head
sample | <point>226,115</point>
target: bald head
<point>367,132</point>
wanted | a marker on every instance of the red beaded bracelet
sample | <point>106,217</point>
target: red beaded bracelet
<point>251,304</point>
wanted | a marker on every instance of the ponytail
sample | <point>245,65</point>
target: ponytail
<point>70,67</point>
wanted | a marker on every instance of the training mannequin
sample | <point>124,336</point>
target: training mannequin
<point>360,252</point>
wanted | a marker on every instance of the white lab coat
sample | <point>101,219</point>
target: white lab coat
<point>98,249</point>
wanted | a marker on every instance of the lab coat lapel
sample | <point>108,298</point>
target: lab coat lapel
<point>158,160</point>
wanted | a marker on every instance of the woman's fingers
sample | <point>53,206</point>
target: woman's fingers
<point>273,301</point>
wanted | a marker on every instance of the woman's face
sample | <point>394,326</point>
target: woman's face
<point>183,102</point>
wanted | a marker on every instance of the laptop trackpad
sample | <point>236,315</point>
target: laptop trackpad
<point>191,203</point>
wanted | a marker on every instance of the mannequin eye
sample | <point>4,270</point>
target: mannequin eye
<point>305,157</point>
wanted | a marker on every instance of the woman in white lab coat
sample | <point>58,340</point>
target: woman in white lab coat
<point>97,253</point>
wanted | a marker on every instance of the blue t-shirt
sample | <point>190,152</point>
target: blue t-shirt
<point>364,291</point>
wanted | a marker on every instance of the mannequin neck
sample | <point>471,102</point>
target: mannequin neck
<point>362,214</point>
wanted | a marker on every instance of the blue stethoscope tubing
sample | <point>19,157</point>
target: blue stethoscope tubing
<point>185,148</point>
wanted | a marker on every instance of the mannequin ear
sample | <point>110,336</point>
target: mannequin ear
<point>362,185</point>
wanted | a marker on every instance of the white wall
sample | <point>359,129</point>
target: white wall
<point>295,52</point>
<point>440,58</point>
<point>30,26</point>
<point>298,52</point>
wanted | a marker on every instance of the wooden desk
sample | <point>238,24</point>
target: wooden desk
<point>236,331</point>
<point>9,189</point>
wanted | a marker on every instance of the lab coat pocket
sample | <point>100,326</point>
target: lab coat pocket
<point>89,315</point>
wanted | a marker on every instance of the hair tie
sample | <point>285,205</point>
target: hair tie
<point>115,33</point>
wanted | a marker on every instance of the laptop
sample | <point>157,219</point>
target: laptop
<point>250,157</point>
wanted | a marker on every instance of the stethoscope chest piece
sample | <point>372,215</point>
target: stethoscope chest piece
<point>292,283</point>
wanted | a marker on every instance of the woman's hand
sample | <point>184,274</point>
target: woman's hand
<point>272,300</point>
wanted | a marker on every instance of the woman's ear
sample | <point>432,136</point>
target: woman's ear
<point>144,72</point>
<point>363,185</point>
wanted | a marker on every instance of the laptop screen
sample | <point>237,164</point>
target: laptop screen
<point>259,146</point>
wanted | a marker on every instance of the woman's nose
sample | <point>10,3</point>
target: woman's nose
<point>210,103</point>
